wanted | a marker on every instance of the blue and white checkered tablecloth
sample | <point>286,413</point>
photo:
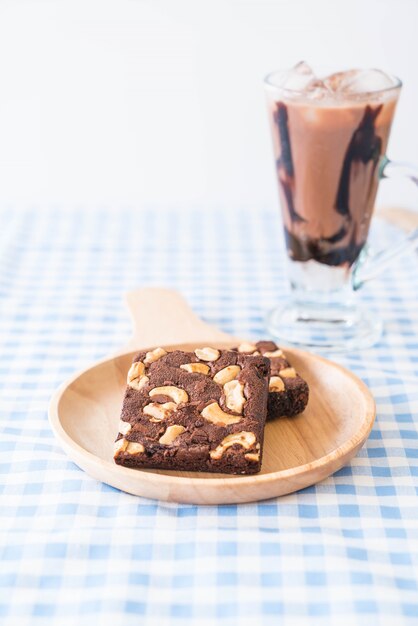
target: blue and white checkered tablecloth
<point>75,551</point>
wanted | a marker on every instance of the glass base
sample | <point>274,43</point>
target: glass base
<point>338,328</point>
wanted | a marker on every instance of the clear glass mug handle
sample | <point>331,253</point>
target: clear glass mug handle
<point>369,266</point>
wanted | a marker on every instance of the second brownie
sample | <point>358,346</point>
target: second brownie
<point>288,392</point>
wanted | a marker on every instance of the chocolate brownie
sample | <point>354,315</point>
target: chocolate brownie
<point>197,411</point>
<point>288,392</point>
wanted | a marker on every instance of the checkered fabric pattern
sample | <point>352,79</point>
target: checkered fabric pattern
<point>75,551</point>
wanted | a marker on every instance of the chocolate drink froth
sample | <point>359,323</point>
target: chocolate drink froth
<point>327,159</point>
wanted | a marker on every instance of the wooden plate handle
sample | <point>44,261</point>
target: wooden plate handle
<point>162,316</point>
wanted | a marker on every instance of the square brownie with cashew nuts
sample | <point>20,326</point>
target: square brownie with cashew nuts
<point>194,411</point>
<point>288,392</point>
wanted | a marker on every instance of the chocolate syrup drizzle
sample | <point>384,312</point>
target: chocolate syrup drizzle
<point>284,164</point>
<point>365,147</point>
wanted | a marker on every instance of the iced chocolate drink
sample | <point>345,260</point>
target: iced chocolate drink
<point>329,135</point>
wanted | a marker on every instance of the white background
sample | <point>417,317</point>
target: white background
<point>160,103</point>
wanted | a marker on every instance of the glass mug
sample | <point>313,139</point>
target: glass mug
<point>330,137</point>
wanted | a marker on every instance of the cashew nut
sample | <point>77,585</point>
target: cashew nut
<point>134,447</point>
<point>124,427</point>
<point>159,411</point>
<point>234,396</point>
<point>276,384</point>
<point>245,439</point>
<point>200,368</point>
<point>119,446</point>
<point>252,456</point>
<point>207,354</point>
<point>227,374</point>
<point>131,447</point>
<point>175,393</point>
<point>213,413</point>
<point>171,434</point>
<point>154,355</point>
<point>288,372</point>
<point>248,348</point>
<point>136,376</point>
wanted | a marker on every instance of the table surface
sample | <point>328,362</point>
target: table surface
<point>75,551</point>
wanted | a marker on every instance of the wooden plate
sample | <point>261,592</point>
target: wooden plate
<point>299,452</point>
